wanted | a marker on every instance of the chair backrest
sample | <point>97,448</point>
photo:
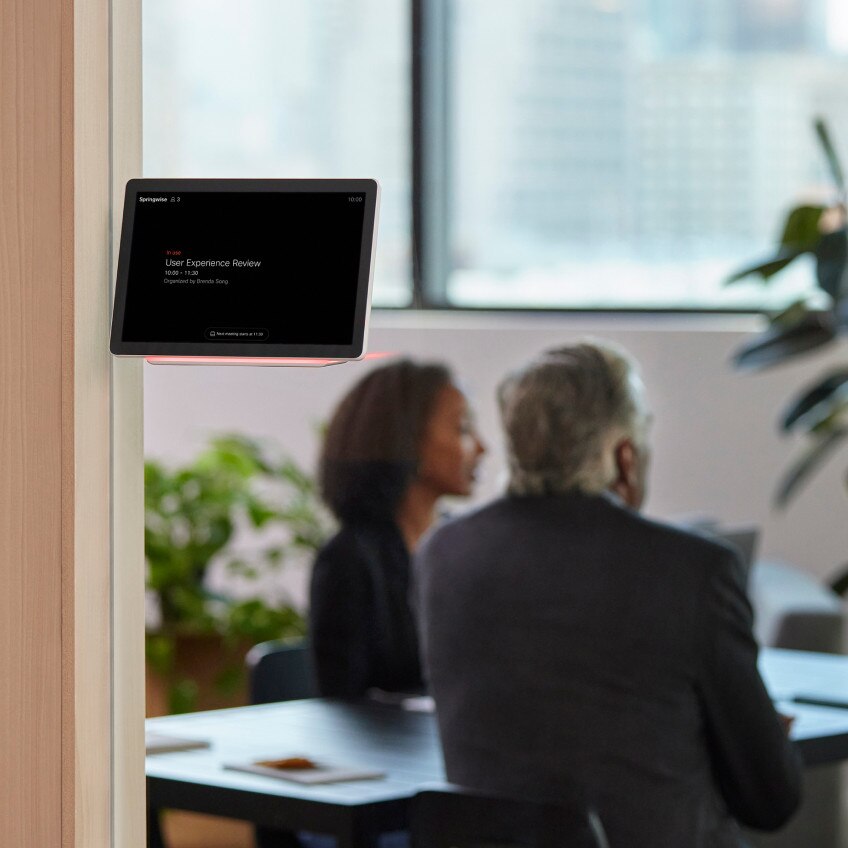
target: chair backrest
<point>279,671</point>
<point>452,817</point>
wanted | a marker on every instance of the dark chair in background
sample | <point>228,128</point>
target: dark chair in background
<point>280,671</point>
<point>452,817</point>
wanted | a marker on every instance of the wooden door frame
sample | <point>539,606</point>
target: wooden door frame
<point>71,487</point>
<point>127,448</point>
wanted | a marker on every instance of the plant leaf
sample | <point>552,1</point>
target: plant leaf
<point>839,581</point>
<point>831,261</point>
<point>159,652</point>
<point>237,566</point>
<point>801,234</point>
<point>780,342</point>
<point>260,514</point>
<point>768,267</point>
<point>790,315</point>
<point>801,231</point>
<point>182,696</point>
<point>275,556</point>
<point>841,314</point>
<point>810,460</point>
<point>229,679</point>
<point>816,402</point>
<point>833,162</point>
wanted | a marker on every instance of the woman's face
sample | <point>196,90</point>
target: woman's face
<point>451,449</point>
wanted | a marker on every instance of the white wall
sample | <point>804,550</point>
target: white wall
<point>716,449</point>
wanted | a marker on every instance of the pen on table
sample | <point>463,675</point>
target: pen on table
<point>820,702</point>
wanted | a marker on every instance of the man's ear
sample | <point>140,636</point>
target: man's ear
<point>626,482</point>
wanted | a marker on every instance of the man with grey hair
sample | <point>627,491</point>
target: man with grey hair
<point>577,649</point>
<point>576,419</point>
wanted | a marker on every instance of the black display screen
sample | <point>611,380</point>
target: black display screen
<point>259,268</point>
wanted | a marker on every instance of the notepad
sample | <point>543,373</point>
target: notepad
<point>419,704</point>
<point>159,743</point>
<point>314,774</point>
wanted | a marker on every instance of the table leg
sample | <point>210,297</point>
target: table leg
<point>154,828</point>
<point>267,837</point>
<point>357,837</point>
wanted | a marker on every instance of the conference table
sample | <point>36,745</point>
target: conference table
<point>403,744</point>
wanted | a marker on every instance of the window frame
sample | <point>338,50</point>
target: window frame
<point>431,180</point>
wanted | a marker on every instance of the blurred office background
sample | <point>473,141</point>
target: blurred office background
<point>550,169</point>
<point>581,157</point>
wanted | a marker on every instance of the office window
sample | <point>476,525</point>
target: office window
<point>631,153</point>
<point>285,88</point>
<point>623,154</point>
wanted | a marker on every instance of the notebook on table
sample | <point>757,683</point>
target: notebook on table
<point>160,743</point>
<point>298,769</point>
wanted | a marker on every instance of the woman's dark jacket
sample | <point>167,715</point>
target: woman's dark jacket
<point>362,631</point>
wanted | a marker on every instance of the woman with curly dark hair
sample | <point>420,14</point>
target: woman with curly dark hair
<point>399,440</point>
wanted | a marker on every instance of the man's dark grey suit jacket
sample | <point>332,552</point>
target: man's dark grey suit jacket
<point>576,648</point>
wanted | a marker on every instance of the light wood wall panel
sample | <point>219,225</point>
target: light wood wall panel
<point>36,245</point>
<point>90,206</point>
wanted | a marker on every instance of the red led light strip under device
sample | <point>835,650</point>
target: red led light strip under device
<point>253,360</point>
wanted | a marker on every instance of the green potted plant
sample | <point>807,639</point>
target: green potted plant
<point>820,410</point>
<point>193,516</point>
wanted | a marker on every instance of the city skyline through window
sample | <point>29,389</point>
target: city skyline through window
<point>633,154</point>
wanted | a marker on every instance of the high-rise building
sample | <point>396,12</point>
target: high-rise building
<point>541,133</point>
<point>736,26</point>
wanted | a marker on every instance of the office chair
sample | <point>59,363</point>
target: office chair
<point>453,817</point>
<point>279,671</point>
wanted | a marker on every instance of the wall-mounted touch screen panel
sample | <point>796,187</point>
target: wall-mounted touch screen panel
<point>245,268</point>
